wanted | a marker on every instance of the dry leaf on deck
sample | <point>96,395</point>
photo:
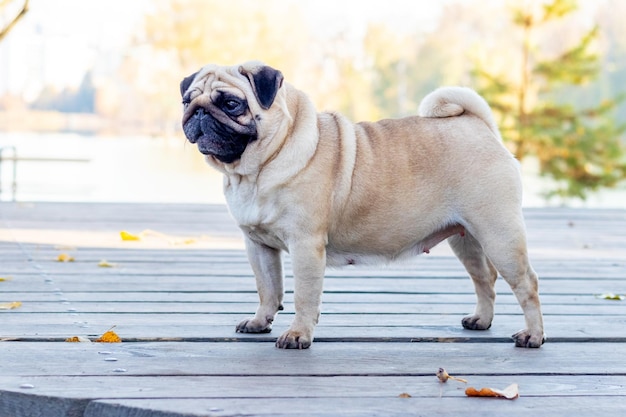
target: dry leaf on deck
<point>404,395</point>
<point>64,257</point>
<point>510,393</point>
<point>109,337</point>
<point>106,264</point>
<point>611,296</point>
<point>2,279</point>
<point>128,236</point>
<point>443,376</point>
<point>10,306</point>
<point>77,339</point>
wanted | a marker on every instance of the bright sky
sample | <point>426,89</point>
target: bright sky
<point>82,34</point>
<point>59,40</point>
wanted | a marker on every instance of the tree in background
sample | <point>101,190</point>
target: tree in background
<point>178,37</point>
<point>580,148</point>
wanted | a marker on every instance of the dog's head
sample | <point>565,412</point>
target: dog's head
<point>223,107</point>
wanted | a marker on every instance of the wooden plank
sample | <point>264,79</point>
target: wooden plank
<point>202,396</point>
<point>355,406</point>
<point>330,359</point>
<point>613,323</point>
<point>114,385</point>
<point>102,304</point>
<point>205,329</point>
<point>201,283</point>
<point>223,269</point>
<point>39,299</point>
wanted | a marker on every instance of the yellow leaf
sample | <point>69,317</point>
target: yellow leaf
<point>10,306</point>
<point>77,339</point>
<point>64,257</point>
<point>2,279</point>
<point>109,337</point>
<point>611,296</point>
<point>105,264</point>
<point>128,236</point>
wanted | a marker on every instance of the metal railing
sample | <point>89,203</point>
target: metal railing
<point>14,159</point>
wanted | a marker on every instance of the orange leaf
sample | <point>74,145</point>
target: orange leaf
<point>109,337</point>
<point>510,393</point>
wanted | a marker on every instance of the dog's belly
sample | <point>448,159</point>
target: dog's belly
<point>377,253</point>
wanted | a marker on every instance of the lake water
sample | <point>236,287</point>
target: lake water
<point>149,169</point>
<point>117,169</point>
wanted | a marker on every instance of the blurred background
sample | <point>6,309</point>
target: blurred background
<point>90,105</point>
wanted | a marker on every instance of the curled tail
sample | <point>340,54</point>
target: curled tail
<point>454,101</point>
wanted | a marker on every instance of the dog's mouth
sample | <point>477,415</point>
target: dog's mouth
<point>224,141</point>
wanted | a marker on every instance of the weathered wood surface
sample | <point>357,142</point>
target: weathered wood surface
<point>176,295</point>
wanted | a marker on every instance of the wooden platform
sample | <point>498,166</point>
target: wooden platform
<point>176,295</point>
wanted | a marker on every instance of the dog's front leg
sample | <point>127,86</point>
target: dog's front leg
<point>309,263</point>
<point>268,270</point>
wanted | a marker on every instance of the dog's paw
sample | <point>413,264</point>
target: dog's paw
<point>293,339</point>
<point>525,338</point>
<point>254,325</point>
<point>475,323</point>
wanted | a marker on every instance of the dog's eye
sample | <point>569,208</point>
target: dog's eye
<point>231,104</point>
<point>234,106</point>
<point>187,99</point>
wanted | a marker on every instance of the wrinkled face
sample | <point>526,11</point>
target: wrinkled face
<point>217,114</point>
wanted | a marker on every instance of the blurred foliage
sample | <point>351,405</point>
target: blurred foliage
<point>579,147</point>
<point>553,75</point>
<point>80,100</point>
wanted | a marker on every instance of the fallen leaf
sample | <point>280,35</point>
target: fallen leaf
<point>10,306</point>
<point>2,279</point>
<point>404,395</point>
<point>64,257</point>
<point>128,236</point>
<point>105,264</point>
<point>611,296</point>
<point>510,393</point>
<point>443,376</point>
<point>109,337</point>
<point>77,339</point>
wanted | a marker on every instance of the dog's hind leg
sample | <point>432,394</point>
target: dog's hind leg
<point>484,276</point>
<point>504,243</point>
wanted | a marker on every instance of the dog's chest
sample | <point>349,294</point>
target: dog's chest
<point>255,220</point>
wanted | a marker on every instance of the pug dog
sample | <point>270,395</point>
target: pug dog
<point>333,193</point>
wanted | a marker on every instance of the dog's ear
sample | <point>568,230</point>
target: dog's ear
<point>265,81</point>
<point>184,84</point>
